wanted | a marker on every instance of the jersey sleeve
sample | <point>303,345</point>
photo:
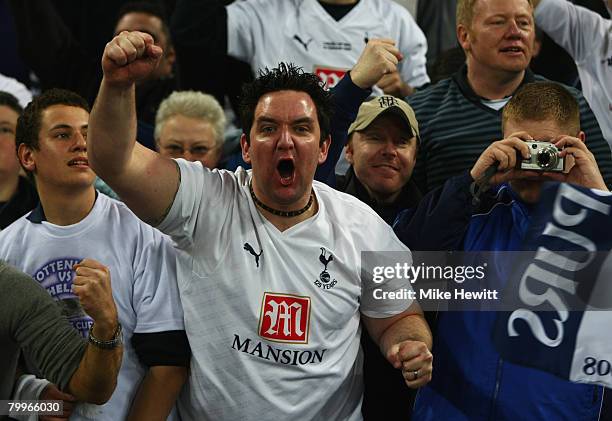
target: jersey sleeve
<point>580,31</point>
<point>413,45</point>
<point>156,298</point>
<point>205,203</point>
<point>384,251</point>
<point>244,26</point>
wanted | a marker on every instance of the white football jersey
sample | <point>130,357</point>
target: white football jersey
<point>273,318</point>
<point>266,32</point>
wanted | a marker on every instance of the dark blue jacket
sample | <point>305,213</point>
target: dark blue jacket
<point>470,380</point>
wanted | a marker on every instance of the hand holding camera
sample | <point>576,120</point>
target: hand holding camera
<point>580,162</point>
<point>506,156</point>
<point>564,159</point>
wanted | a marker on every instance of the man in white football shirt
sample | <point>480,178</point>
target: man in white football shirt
<point>324,37</point>
<point>269,261</point>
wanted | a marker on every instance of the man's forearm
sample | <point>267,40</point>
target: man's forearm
<point>157,393</point>
<point>409,328</point>
<point>112,130</point>
<point>95,379</point>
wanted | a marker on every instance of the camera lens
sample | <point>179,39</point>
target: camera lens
<point>547,158</point>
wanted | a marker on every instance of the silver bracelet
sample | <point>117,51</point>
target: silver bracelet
<point>116,340</point>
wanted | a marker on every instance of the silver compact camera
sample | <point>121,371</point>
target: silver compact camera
<point>544,157</point>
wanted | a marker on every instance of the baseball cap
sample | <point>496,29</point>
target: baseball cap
<point>369,110</point>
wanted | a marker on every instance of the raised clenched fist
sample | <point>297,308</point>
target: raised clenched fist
<point>129,58</point>
<point>379,57</point>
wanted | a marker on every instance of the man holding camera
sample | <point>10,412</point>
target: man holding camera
<point>472,381</point>
<point>574,163</point>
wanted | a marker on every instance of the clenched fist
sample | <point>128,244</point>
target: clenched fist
<point>415,361</point>
<point>92,284</point>
<point>129,58</point>
<point>379,57</point>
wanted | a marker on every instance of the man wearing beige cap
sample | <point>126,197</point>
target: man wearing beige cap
<point>382,140</point>
<point>382,149</point>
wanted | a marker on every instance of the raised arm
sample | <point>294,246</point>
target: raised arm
<point>580,31</point>
<point>146,181</point>
<point>379,57</point>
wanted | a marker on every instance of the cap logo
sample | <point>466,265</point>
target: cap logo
<point>387,101</point>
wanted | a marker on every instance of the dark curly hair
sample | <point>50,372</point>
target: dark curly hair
<point>28,124</point>
<point>285,77</point>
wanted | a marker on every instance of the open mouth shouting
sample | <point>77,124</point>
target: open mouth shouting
<point>286,171</point>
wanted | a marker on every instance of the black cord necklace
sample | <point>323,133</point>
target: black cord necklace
<point>285,214</point>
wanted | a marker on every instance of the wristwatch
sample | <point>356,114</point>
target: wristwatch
<point>114,342</point>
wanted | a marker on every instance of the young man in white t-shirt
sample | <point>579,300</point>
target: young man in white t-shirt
<point>269,261</point>
<point>74,222</point>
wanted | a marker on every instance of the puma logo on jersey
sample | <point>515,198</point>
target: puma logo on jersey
<point>305,44</point>
<point>250,249</point>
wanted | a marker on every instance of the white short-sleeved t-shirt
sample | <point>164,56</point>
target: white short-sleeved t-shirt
<point>273,318</point>
<point>266,32</point>
<point>142,263</point>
